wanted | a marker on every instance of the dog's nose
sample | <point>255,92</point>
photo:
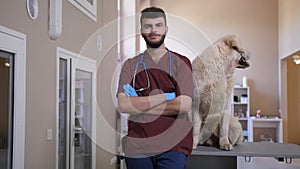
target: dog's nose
<point>246,54</point>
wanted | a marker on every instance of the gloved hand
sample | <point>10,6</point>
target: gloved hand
<point>129,90</point>
<point>170,96</point>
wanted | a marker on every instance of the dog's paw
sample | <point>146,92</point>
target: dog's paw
<point>209,142</point>
<point>195,146</point>
<point>195,142</point>
<point>200,140</point>
<point>227,147</point>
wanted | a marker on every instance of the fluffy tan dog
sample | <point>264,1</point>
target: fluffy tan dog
<point>213,91</point>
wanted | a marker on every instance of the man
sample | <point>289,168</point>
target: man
<point>155,89</point>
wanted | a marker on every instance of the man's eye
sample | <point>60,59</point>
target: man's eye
<point>147,26</point>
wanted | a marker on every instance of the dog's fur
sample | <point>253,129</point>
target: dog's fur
<point>213,91</point>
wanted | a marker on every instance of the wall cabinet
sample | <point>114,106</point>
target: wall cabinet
<point>241,109</point>
<point>254,129</point>
<point>266,129</point>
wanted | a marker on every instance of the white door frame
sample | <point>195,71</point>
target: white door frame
<point>15,42</point>
<point>83,63</point>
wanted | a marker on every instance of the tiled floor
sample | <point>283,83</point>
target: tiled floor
<point>266,163</point>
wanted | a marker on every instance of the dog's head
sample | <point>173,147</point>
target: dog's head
<point>241,56</point>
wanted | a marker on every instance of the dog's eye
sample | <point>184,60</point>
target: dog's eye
<point>235,48</point>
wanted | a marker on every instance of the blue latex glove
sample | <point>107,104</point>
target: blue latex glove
<point>129,90</point>
<point>170,96</point>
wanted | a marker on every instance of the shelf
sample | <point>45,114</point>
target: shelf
<point>239,103</point>
<point>79,116</point>
<point>266,123</point>
<point>242,118</point>
<point>78,130</point>
<point>241,109</point>
<point>240,87</point>
<point>82,104</point>
<point>266,119</point>
<point>272,126</point>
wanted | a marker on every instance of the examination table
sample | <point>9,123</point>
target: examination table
<point>213,158</point>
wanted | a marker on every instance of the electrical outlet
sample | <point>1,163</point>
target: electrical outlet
<point>113,160</point>
<point>49,134</point>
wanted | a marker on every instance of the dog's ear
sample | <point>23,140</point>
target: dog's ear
<point>233,42</point>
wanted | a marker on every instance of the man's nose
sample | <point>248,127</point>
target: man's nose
<point>154,29</point>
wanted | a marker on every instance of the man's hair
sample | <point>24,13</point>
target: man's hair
<point>153,12</point>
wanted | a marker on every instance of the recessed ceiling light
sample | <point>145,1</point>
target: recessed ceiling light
<point>296,59</point>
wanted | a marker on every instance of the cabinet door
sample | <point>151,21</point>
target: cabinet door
<point>82,124</point>
<point>82,115</point>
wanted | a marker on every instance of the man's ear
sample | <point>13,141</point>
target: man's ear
<point>167,29</point>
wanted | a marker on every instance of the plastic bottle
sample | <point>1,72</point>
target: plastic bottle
<point>244,81</point>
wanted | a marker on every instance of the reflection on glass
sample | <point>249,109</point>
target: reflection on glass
<point>83,120</point>
<point>6,109</point>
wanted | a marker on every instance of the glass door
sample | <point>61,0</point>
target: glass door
<point>63,114</point>
<point>6,109</point>
<point>76,109</point>
<point>83,120</point>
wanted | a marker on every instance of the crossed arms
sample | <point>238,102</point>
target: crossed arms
<point>153,104</point>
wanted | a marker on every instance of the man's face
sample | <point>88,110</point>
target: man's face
<point>154,31</point>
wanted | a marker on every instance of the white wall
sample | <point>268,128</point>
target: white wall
<point>288,40</point>
<point>41,74</point>
<point>255,22</point>
<point>289,27</point>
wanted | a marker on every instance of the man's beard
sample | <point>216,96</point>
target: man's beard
<point>154,44</point>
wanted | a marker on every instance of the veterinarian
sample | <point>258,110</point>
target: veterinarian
<point>155,89</point>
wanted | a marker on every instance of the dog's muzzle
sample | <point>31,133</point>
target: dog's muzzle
<point>243,62</point>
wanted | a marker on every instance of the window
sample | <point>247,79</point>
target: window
<point>88,7</point>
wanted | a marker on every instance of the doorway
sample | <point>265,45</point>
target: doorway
<point>290,98</point>
<point>6,108</point>
<point>12,99</point>
<point>293,91</point>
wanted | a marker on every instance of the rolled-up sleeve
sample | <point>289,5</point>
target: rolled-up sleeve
<point>125,76</point>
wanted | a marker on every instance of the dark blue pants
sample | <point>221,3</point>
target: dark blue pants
<point>167,160</point>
